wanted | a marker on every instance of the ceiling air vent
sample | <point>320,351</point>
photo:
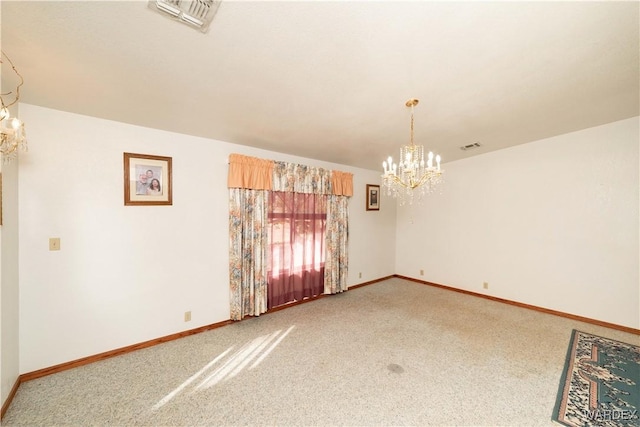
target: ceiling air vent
<point>470,146</point>
<point>195,13</point>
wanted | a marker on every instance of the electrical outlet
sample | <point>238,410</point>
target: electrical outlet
<point>187,316</point>
<point>422,272</point>
<point>485,285</point>
<point>359,275</point>
<point>54,244</point>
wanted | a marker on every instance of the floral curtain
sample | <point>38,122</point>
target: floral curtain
<point>247,252</point>
<point>337,236</point>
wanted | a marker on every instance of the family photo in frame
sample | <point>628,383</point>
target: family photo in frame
<point>147,180</point>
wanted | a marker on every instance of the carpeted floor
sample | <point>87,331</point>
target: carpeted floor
<point>392,353</point>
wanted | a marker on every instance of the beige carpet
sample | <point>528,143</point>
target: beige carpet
<point>392,353</point>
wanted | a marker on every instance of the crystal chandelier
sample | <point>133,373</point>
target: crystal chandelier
<point>12,134</point>
<point>412,177</point>
<point>195,13</point>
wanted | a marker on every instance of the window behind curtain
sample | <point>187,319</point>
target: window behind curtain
<point>296,235</point>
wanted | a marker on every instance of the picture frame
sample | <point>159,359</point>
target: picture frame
<point>373,197</point>
<point>147,180</point>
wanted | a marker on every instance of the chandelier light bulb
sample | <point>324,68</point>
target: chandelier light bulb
<point>4,113</point>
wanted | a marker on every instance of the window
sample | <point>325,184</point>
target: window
<point>296,235</point>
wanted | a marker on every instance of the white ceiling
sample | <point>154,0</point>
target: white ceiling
<point>329,80</point>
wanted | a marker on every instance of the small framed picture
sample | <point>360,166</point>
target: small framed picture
<point>373,197</point>
<point>147,180</point>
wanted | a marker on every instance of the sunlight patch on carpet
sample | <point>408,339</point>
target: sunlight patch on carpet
<point>227,365</point>
<point>257,349</point>
<point>191,379</point>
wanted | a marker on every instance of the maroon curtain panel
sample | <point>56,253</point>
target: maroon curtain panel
<point>296,236</point>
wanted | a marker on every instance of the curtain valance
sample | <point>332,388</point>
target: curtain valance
<point>342,183</point>
<point>295,178</point>
<point>250,172</point>
<point>260,174</point>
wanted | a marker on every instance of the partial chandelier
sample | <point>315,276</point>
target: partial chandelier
<point>412,178</point>
<point>12,134</point>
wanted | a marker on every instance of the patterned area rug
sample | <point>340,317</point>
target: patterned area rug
<point>600,385</point>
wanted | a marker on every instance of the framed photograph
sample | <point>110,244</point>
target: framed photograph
<point>147,180</point>
<point>373,197</point>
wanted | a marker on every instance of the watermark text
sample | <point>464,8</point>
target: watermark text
<point>611,414</point>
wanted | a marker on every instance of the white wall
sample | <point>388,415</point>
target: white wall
<point>553,223</point>
<point>127,274</point>
<point>9,291</point>
<point>9,359</point>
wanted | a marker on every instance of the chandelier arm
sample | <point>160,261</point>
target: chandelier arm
<point>17,87</point>
<point>411,183</point>
<point>7,147</point>
<point>12,134</point>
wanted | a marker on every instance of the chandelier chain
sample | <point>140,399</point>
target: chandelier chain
<point>412,126</point>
